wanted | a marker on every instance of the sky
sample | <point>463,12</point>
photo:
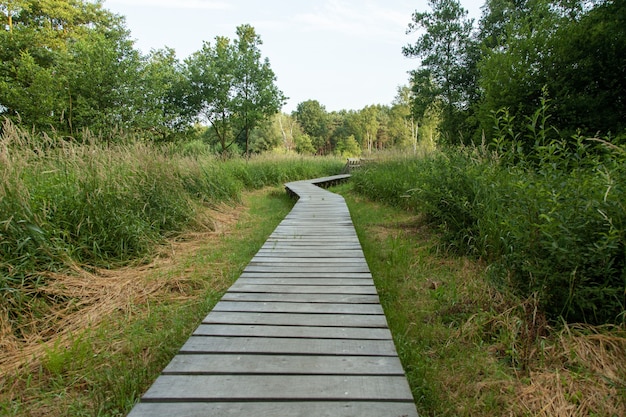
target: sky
<point>346,54</point>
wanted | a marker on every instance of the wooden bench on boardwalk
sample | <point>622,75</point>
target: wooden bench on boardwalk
<point>300,333</point>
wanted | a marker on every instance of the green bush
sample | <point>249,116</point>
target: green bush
<point>552,229</point>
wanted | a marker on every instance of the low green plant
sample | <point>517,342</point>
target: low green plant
<point>551,221</point>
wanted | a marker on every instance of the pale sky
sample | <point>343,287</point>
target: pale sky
<point>346,54</point>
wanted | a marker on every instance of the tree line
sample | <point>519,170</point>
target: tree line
<point>69,65</point>
<point>570,52</point>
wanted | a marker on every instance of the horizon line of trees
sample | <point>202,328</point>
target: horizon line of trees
<point>571,52</point>
<point>68,66</point>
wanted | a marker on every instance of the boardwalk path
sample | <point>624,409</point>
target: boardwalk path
<point>300,333</point>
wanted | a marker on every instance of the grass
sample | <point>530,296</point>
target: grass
<point>103,366</point>
<point>470,348</point>
<point>91,206</point>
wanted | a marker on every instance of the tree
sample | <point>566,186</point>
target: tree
<point>66,65</point>
<point>314,119</point>
<point>162,91</point>
<point>256,97</point>
<point>572,49</point>
<point>446,73</point>
<point>211,75</point>
<point>231,88</point>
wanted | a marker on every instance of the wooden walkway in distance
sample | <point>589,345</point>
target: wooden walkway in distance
<point>300,333</point>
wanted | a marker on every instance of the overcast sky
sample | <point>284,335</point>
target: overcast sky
<point>346,54</point>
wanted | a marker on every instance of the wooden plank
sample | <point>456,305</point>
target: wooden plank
<point>312,268</point>
<point>302,332</point>
<point>301,281</point>
<point>281,307</point>
<point>297,319</point>
<point>277,387</point>
<point>230,364</point>
<point>311,259</point>
<point>310,275</point>
<point>276,409</point>
<point>305,289</point>
<point>297,298</point>
<point>288,346</point>
<point>320,265</point>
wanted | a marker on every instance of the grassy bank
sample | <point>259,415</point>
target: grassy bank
<point>468,346</point>
<point>553,230</point>
<point>67,206</point>
<point>98,359</point>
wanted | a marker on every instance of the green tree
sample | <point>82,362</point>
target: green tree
<point>572,49</point>
<point>162,91</point>
<point>66,65</point>
<point>211,74</point>
<point>446,74</point>
<point>314,119</point>
<point>231,87</point>
<point>256,97</point>
<point>348,147</point>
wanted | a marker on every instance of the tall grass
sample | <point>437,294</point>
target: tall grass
<point>64,203</point>
<point>552,226</point>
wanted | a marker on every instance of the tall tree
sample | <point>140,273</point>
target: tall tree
<point>232,87</point>
<point>257,97</point>
<point>444,48</point>
<point>573,49</point>
<point>65,65</point>
<point>314,119</point>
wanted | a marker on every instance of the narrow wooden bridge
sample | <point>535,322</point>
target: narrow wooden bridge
<point>300,333</point>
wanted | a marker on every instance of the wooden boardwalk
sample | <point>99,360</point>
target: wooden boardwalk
<point>300,333</point>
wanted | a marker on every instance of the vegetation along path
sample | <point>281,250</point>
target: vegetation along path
<point>300,333</point>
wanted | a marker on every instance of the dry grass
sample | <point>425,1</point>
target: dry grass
<point>584,374</point>
<point>82,299</point>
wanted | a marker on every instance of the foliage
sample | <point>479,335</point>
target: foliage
<point>64,204</point>
<point>573,50</point>
<point>231,88</point>
<point>479,349</point>
<point>552,224</point>
<point>446,75</point>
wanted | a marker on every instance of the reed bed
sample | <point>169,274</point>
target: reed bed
<point>70,212</point>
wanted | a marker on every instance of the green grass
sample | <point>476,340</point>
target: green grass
<point>104,369</point>
<point>554,229</point>
<point>66,206</point>
<point>470,348</point>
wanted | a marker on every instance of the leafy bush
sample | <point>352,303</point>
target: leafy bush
<point>553,225</point>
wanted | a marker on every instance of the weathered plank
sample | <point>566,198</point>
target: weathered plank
<point>297,319</point>
<point>235,364</point>
<point>283,307</point>
<point>297,298</point>
<point>305,289</point>
<point>301,281</point>
<point>275,409</point>
<point>312,268</point>
<point>301,258</point>
<point>300,332</point>
<point>278,387</point>
<point>309,275</point>
<point>283,345</point>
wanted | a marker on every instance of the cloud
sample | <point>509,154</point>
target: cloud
<point>179,4</point>
<point>357,18</point>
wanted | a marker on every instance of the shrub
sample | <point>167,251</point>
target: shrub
<point>553,228</point>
